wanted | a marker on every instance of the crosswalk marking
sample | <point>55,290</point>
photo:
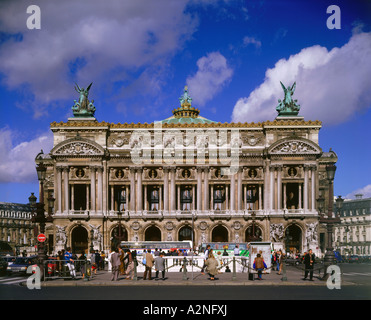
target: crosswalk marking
<point>12,280</point>
<point>356,274</point>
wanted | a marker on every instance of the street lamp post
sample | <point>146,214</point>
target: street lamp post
<point>330,221</point>
<point>39,217</point>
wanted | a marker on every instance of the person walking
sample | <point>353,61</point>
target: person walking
<point>115,263</point>
<point>279,262</point>
<point>236,251</point>
<point>148,265</point>
<point>259,265</point>
<point>160,265</point>
<point>206,256</point>
<point>309,261</point>
<point>70,262</point>
<point>212,266</point>
<point>82,261</point>
<point>129,265</point>
<point>93,261</point>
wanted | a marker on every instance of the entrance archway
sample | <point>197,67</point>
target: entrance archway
<point>79,240</point>
<point>152,234</point>
<point>293,238</point>
<point>219,234</point>
<point>253,234</point>
<point>115,236</point>
<point>185,233</point>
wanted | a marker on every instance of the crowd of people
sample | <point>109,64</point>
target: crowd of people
<point>120,262</point>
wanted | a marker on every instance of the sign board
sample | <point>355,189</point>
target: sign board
<point>265,250</point>
<point>41,237</point>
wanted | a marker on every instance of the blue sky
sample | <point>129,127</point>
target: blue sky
<point>140,54</point>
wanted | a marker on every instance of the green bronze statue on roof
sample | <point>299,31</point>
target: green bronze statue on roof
<point>185,99</point>
<point>289,106</point>
<point>83,107</point>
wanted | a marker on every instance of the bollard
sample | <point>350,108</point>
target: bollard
<point>234,269</point>
<point>88,271</point>
<point>284,278</point>
<point>185,269</point>
<point>135,278</point>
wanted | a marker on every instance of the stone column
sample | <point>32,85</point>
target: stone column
<point>92,188</point>
<point>279,187</point>
<point>260,197</point>
<point>232,191</point>
<point>206,189</point>
<point>127,197</point>
<point>112,198</point>
<point>306,182</point>
<point>59,189</point>
<point>239,189</point>
<point>193,197</point>
<point>166,189</point>
<point>212,197</point>
<point>87,198</point>
<point>100,190</point>
<point>271,188</point>
<point>227,197</point>
<point>73,197</point>
<point>132,189</point>
<point>313,188</point>
<point>299,204</point>
<point>139,190</point>
<point>284,196</point>
<point>145,198</point>
<point>178,197</point>
<point>199,189</point>
<point>172,189</point>
<point>244,196</point>
<point>66,190</point>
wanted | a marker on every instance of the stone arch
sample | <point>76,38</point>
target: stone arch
<point>152,233</point>
<point>114,233</point>
<point>77,147</point>
<point>186,229</point>
<point>259,232</point>
<point>220,233</point>
<point>79,239</point>
<point>293,237</point>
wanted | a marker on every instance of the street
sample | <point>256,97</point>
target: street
<point>357,277</point>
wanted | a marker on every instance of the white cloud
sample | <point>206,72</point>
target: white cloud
<point>331,86</point>
<point>213,73</point>
<point>110,40</point>
<point>251,40</point>
<point>18,162</point>
<point>365,191</point>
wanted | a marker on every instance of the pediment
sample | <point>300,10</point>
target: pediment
<point>294,146</point>
<point>77,147</point>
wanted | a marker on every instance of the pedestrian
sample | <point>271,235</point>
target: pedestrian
<point>70,262</point>
<point>130,265</point>
<point>206,256</point>
<point>148,264</point>
<point>156,253</point>
<point>122,265</point>
<point>109,260</point>
<point>278,259</point>
<point>93,261</point>
<point>115,262</point>
<point>160,265</point>
<point>309,261</point>
<point>259,265</point>
<point>82,261</point>
<point>212,266</point>
<point>236,251</point>
<point>279,262</point>
<point>102,260</point>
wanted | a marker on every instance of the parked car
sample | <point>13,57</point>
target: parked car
<point>3,266</point>
<point>21,264</point>
<point>9,259</point>
<point>353,258</point>
<point>294,261</point>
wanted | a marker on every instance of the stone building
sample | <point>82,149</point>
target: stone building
<point>16,227</point>
<point>353,235</point>
<point>153,179</point>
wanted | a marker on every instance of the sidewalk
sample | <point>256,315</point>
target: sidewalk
<point>103,278</point>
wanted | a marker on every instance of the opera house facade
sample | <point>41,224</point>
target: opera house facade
<point>225,182</point>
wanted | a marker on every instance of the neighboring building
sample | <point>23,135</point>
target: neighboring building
<point>353,235</point>
<point>16,227</point>
<point>156,177</point>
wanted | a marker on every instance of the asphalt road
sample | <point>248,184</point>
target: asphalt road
<point>358,274</point>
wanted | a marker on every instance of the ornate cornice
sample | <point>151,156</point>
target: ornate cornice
<point>260,125</point>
